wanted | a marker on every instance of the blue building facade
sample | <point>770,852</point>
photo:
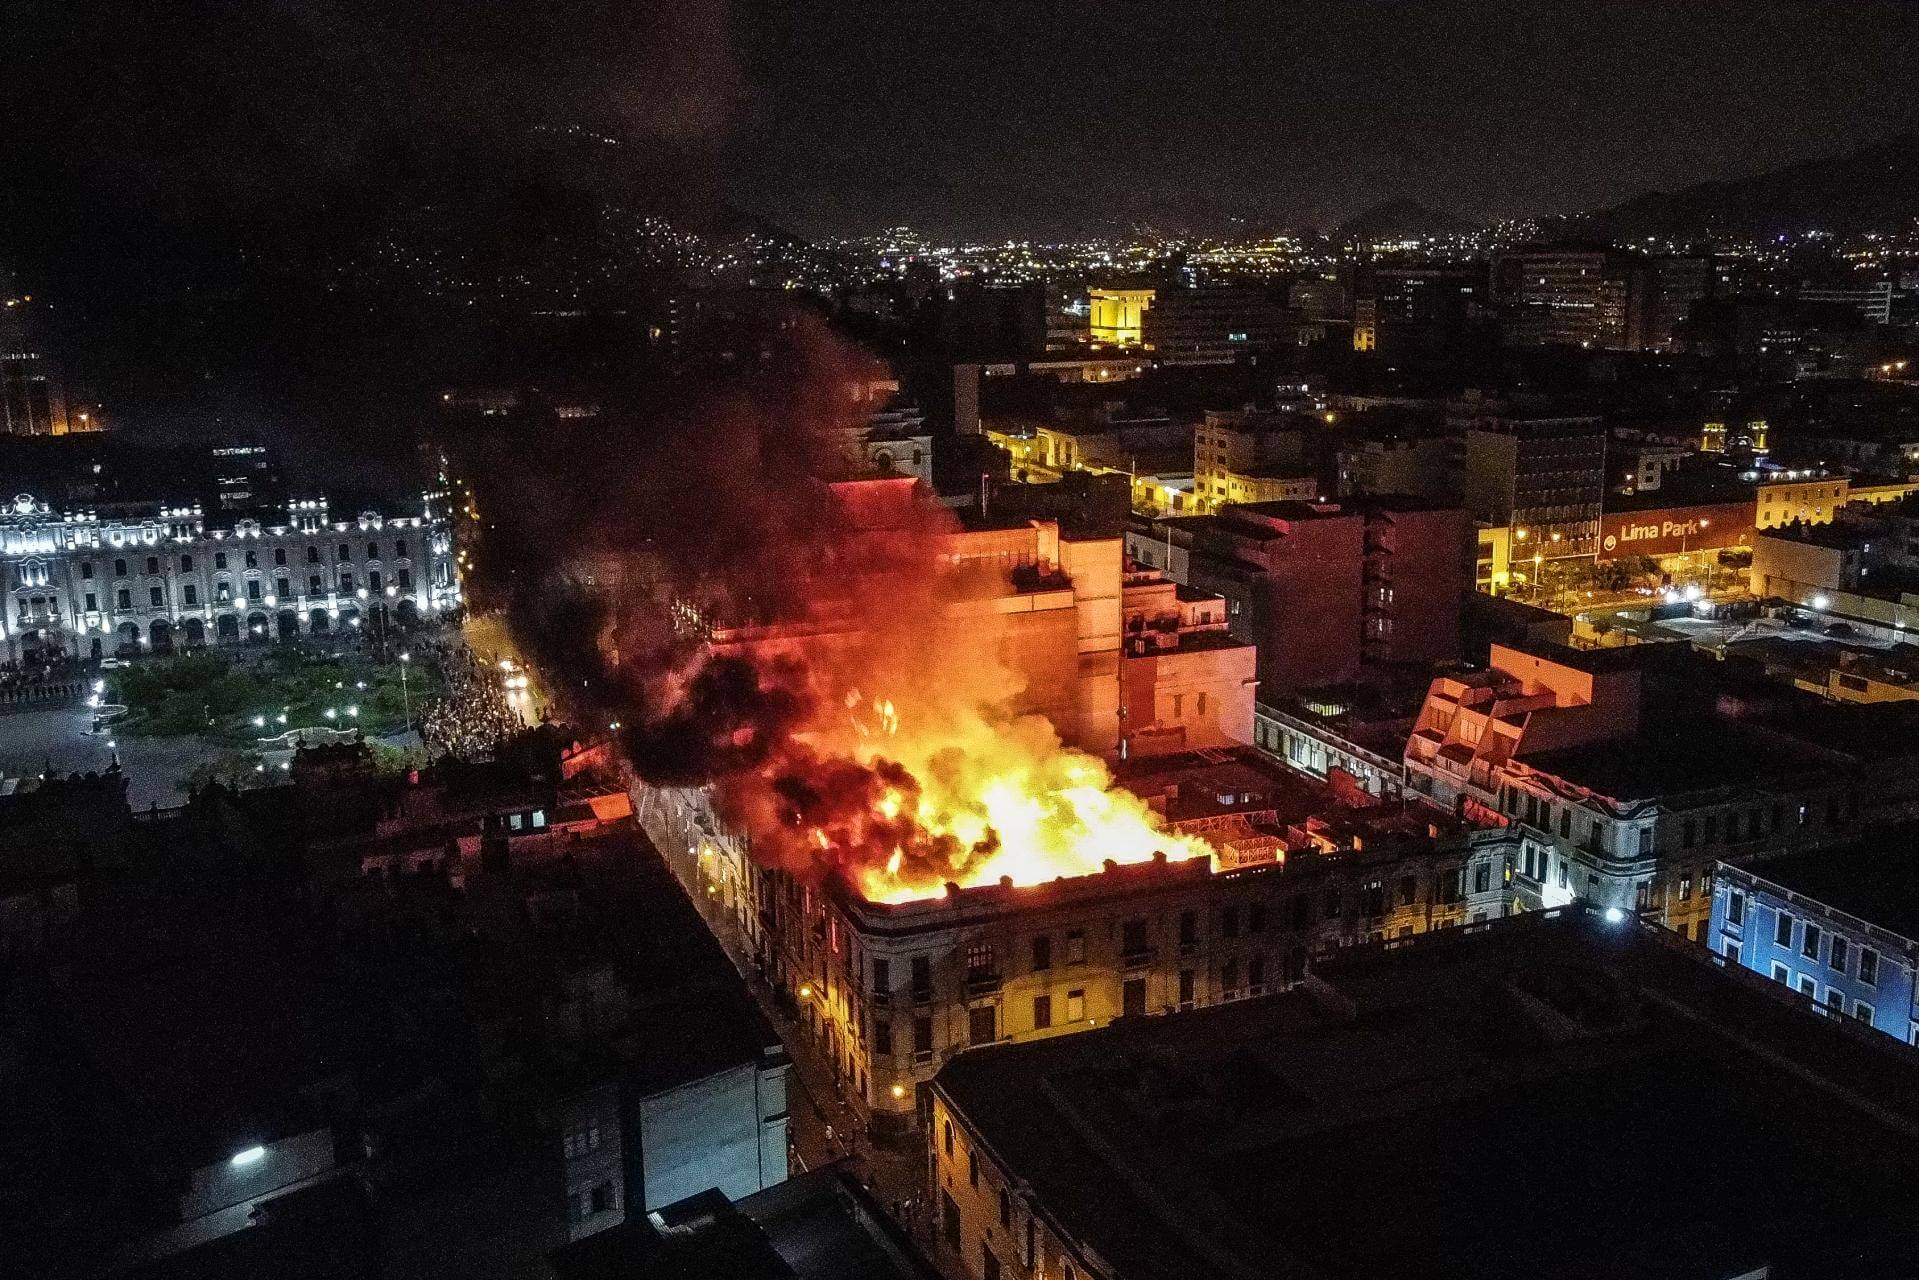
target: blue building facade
<point>1846,966</point>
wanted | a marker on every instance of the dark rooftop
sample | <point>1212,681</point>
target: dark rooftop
<point>1875,880</point>
<point>1673,754</point>
<point>1552,1095</point>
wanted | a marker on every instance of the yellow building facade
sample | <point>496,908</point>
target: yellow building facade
<point>1118,316</point>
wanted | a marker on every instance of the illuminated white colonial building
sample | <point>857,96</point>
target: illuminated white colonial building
<point>157,578</point>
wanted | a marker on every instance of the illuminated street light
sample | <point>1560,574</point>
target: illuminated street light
<point>1821,603</point>
<point>250,1156</point>
<point>1614,915</point>
<point>806,991</point>
<point>330,713</point>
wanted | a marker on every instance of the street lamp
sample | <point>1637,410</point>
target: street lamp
<point>406,705</point>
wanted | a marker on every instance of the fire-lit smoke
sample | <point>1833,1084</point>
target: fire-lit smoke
<point>819,655</point>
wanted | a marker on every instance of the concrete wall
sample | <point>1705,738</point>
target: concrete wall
<point>709,1134</point>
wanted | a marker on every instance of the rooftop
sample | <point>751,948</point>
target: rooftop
<point>1362,1125</point>
<point>1672,754</point>
<point>1875,880</point>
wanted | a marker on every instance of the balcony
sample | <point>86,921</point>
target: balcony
<point>1136,957</point>
<point>981,983</point>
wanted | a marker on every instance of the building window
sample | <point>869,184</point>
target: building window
<point>190,594</point>
<point>883,1036</point>
<point>1836,1002</point>
<point>282,588</point>
<point>922,977</point>
<point>186,564</point>
<point>154,597</point>
<point>86,568</point>
<point>1688,833</point>
<point>253,588</point>
<point>1132,998</point>
<point>1862,1011</point>
<point>399,549</point>
<point>1229,922</point>
<point>1685,887</point>
<point>1733,951</point>
<point>1075,946</point>
<point>946,1134</point>
<point>1005,1209</point>
<point>1042,953</point>
<point>603,1197</point>
<point>124,598</point>
<point>1409,890</point>
<point>882,975</point>
<point>1782,930</point>
<point>922,1034</point>
<point>314,586</point>
<point>1735,908</point>
<point>313,555</point>
<point>1075,1005</point>
<point>1186,985</point>
<point>346,552</point>
<point>1256,918</point>
<point>1869,966</point>
<point>982,1024</point>
<point>972,1168</point>
<point>1042,1012</point>
<point>1256,970</point>
<point>989,1262</point>
<point>979,963</point>
<point>280,557</point>
<point>1808,987</point>
<point>373,551</point>
<point>346,582</point>
<point>1188,930</point>
<point>405,578</point>
<point>252,558</point>
<point>1780,973</point>
<point>219,559</point>
<point>1809,944</point>
<point>93,601</point>
<point>950,1221</point>
<point>1838,947</point>
<point>119,568</point>
<point>1132,937</point>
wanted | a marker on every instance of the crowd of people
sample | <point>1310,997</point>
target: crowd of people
<point>472,716</point>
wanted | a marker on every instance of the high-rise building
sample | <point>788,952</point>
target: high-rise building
<point>1321,586</point>
<point>33,395</point>
<point>1250,456</point>
<point>1575,295</point>
<point>1212,324</point>
<point>1535,467</point>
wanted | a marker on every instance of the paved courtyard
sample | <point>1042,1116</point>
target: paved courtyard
<point>156,768</point>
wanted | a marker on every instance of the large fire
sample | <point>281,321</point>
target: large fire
<point>906,801</point>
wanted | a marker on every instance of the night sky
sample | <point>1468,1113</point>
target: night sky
<point>980,118</point>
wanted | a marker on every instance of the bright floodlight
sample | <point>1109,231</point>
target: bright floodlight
<point>1821,603</point>
<point>248,1156</point>
<point>1614,915</point>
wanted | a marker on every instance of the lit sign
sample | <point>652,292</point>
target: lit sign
<point>1675,530</point>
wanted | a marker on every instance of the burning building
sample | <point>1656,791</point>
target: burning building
<point>954,779</point>
<point>1260,874</point>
